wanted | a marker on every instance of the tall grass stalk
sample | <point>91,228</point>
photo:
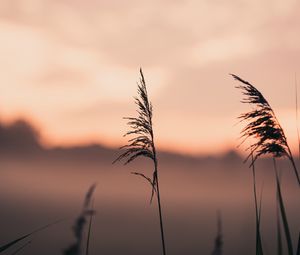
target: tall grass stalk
<point>263,126</point>
<point>279,235</point>
<point>142,145</point>
<point>259,249</point>
<point>89,230</point>
<point>80,224</point>
<point>21,248</point>
<point>13,243</point>
<point>283,212</point>
<point>298,247</point>
<point>297,116</point>
<point>219,238</point>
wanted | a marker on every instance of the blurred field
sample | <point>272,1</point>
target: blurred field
<point>41,187</point>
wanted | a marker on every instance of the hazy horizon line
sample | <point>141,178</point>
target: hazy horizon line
<point>37,133</point>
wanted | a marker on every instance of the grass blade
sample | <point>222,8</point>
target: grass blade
<point>219,238</point>
<point>259,249</point>
<point>279,235</point>
<point>297,118</point>
<point>80,224</point>
<point>283,213</point>
<point>12,243</point>
<point>259,237</point>
<point>21,248</point>
<point>298,248</point>
<point>89,230</point>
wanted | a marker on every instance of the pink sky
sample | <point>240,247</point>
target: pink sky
<point>71,66</point>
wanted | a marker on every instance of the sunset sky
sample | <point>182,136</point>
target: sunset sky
<point>71,67</point>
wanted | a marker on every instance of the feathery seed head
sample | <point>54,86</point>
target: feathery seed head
<point>140,127</point>
<point>262,124</point>
<point>141,144</point>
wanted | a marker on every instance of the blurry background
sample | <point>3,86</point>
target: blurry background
<point>71,66</point>
<point>68,76</point>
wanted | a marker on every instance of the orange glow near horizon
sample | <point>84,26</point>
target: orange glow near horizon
<point>70,68</point>
<point>204,147</point>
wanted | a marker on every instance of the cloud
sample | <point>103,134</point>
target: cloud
<point>61,57</point>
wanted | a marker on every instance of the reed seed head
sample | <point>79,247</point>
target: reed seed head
<point>141,144</point>
<point>140,128</point>
<point>262,125</point>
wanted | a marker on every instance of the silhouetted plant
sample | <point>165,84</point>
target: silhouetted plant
<point>21,248</point>
<point>219,238</point>
<point>80,223</point>
<point>13,243</point>
<point>278,214</point>
<point>297,118</point>
<point>259,248</point>
<point>263,126</point>
<point>89,230</point>
<point>283,212</point>
<point>142,144</point>
<point>298,246</point>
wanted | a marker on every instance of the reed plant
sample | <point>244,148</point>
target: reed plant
<point>218,249</point>
<point>278,225</point>
<point>264,126</point>
<point>298,247</point>
<point>142,145</point>
<point>282,211</point>
<point>21,248</point>
<point>258,247</point>
<point>17,241</point>
<point>80,225</point>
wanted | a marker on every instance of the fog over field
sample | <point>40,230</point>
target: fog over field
<point>39,186</point>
